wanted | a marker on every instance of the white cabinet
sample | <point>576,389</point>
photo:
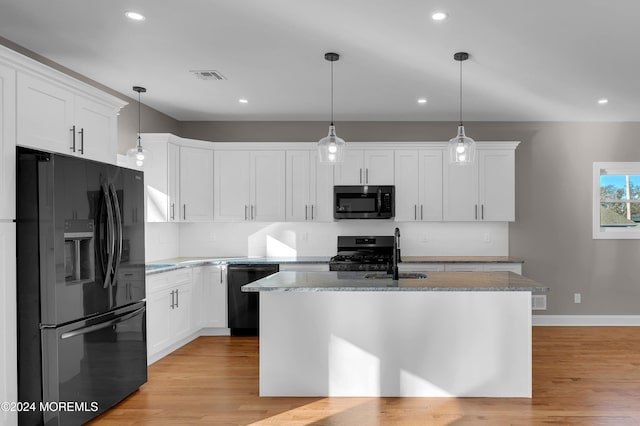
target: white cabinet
<point>169,311</point>
<point>196,184</point>
<point>309,187</point>
<point>161,180</point>
<point>365,167</point>
<point>54,117</point>
<point>7,143</point>
<point>418,181</point>
<point>8,327</point>
<point>213,306</point>
<point>249,186</point>
<point>484,190</point>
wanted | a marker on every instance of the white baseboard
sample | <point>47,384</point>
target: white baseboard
<point>215,331</point>
<point>586,320</point>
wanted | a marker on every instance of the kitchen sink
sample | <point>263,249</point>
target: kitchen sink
<point>401,275</point>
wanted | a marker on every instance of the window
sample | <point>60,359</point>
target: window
<point>616,200</point>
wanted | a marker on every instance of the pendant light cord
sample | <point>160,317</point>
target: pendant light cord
<point>461,93</point>
<point>332,93</point>
<point>139,141</point>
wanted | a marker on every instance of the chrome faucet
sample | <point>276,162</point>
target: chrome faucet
<point>396,254</point>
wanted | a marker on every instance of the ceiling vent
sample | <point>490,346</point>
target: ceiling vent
<point>208,75</point>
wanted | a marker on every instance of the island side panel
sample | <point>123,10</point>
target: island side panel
<point>400,343</point>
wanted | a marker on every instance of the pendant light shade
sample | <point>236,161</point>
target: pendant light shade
<point>138,156</point>
<point>462,149</point>
<point>331,147</point>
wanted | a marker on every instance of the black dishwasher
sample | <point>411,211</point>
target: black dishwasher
<point>244,308</point>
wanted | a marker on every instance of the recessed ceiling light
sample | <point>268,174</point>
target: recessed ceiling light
<point>243,101</point>
<point>422,101</point>
<point>603,101</point>
<point>439,16</point>
<point>134,16</point>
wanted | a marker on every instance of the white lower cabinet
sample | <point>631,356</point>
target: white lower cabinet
<point>213,304</point>
<point>169,312</point>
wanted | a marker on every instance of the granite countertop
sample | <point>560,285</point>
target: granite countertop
<point>356,281</point>
<point>188,262</point>
<point>460,259</point>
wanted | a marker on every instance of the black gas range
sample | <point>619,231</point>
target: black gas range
<point>360,253</point>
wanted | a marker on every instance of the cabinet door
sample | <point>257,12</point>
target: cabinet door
<point>268,186</point>
<point>321,196</point>
<point>430,178</point>
<point>378,167</point>
<point>7,144</point>
<point>351,171</point>
<point>8,342</point>
<point>298,186</point>
<point>196,184</point>
<point>232,185</point>
<point>96,130</point>
<point>496,185</point>
<point>407,181</point>
<point>158,321</point>
<point>214,306</point>
<point>460,192</point>
<point>198,296</point>
<point>44,115</point>
<point>181,317</point>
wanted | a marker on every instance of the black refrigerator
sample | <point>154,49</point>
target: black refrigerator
<point>80,287</point>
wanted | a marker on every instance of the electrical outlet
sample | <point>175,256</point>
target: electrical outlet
<point>425,237</point>
<point>305,236</point>
<point>577,298</point>
<point>213,236</point>
<point>487,237</point>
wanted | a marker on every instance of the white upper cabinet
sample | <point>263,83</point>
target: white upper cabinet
<point>309,187</point>
<point>365,167</point>
<point>54,117</point>
<point>249,186</point>
<point>418,181</point>
<point>161,180</point>
<point>7,142</point>
<point>196,184</point>
<point>484,190</point>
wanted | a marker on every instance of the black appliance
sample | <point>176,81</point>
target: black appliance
<point>355,253</point>
<point>363,202</point>
<point>244,308</point>
<point>81,328</point>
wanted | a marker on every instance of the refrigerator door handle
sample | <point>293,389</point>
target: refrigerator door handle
<point>102,325</point>
<point>118,222</point>
<point>111,242</point>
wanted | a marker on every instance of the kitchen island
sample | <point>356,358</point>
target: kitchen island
<point>362,334</point>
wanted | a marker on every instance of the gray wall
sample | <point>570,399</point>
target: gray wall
<point>552,231</point>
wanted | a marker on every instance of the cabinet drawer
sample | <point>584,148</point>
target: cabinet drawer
<point>168,279</point>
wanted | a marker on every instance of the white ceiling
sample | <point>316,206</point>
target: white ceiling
<point>530,60</point>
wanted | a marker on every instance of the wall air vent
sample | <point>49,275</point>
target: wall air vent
<point>208,75</point>
<point>539,302</point>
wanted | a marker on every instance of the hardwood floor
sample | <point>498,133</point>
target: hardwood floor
<point>581,376</point>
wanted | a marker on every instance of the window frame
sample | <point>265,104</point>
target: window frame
<point>611,168</point>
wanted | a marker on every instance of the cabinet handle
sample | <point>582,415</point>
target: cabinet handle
<point>366,175</point>
<point>312,212</point>
<point>245,212</point>
<point>476,211</point>
<point>184,212</point>
<point>177,297</point>
<point>252,216</point>
<point>81,150</point>
<point>173,211</point>
<point>482,211</point>
<point>73,139</point>
<point>360,175</point>
<point>421,215</point>
<point>172,299</point>
<point>415,212</point>
<point>305,212</point>
<point>221,272</point>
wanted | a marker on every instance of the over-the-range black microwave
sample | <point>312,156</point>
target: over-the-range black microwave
<point>364,202</point>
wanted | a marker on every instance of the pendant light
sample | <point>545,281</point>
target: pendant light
<point>139,155</point>
<point>462,149</point>
<point>331,147</point>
